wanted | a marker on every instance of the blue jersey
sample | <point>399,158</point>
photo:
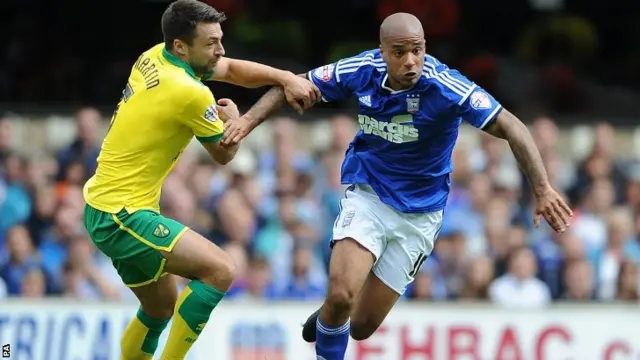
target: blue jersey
<point>404,147</point>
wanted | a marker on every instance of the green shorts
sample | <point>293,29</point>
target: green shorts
<point>134,241</point>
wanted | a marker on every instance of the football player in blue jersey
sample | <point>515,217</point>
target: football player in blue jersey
<point>396,173</point>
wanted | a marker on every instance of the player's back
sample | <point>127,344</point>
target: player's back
<point>147,133</point>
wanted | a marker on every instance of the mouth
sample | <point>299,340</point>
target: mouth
<point>410,75</point>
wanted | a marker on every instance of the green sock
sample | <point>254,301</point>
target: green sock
<point>193,309</point>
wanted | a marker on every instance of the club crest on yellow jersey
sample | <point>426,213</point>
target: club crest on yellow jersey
<point>211,114</point>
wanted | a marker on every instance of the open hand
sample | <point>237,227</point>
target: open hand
<point>236,130</point>
<point>551,206</point>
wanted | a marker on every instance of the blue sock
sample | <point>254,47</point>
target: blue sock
<point>331,342</point>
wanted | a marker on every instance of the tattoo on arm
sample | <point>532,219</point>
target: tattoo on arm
<point>507,126</point>
<point>271,101</point>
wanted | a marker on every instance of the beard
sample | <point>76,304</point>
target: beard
<point>202,69</point>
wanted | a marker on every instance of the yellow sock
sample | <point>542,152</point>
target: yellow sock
<point>140,339</point>
<point>193,308</point>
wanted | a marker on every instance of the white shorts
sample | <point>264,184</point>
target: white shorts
<point>399,241</point>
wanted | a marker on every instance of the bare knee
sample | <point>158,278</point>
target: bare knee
<point>340,297</point>
<point>219,273</point>
<point>362,329</point>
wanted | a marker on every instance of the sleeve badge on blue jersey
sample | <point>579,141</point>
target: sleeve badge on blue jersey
<point>324,73</point>
<point>211,114</point>
<point>480,100</point>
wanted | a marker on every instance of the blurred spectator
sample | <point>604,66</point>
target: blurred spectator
<point>3,290</point>
<point>20,260</point>
<point>588,223</point>
<point>33,284</point>
<point>580,282</point>
<point>5,139</point>
<point>84,277</point>
<point>600,164</point>
<point>479,275</point>
<point>257,283</point>
<point>519,287</point>
<point>302,285</point>
<point>85,148</point>
<point>422,287</point>
<point>15,203</point>
<point>628,284</point>
<point>610,258</point>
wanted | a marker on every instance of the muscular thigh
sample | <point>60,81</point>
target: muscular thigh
<point>195,257</point>
<point>412,240</point>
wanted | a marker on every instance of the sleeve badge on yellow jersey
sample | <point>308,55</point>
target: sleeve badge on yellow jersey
<point>211,114</point>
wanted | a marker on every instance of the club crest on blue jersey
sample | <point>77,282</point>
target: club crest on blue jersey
<point>211,114</point>
<point>413,103</point>
<point>480,100</point>
<point>324,73</point>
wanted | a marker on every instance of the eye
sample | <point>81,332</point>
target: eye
<point>397,53</point>
<point>417,51</point>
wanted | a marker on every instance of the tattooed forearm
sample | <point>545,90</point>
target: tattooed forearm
<point>271,101</point>
<point>268,103</point>
<point>507,126</point>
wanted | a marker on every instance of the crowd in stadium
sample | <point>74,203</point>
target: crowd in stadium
<point>273,211</point>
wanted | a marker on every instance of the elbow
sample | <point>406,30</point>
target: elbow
<point>224,161</point>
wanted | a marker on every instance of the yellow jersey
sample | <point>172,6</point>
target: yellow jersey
<point>163,106</point>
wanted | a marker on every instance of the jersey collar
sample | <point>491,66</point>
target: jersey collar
<point>176,61</point>
<point>383,84</point>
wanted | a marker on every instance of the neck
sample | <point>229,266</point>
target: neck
<point>181,57</point>
<point>395,85</point>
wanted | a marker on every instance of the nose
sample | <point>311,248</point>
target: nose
<point>220,51</point>
<point>410,61</point>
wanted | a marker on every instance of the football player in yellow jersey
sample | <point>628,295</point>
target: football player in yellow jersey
<point>163,106</point>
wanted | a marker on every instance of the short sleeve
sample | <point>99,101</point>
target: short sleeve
<point>469,101</point>
<point>479,109</point>
<point>335,80</point>
<point>202,118</point>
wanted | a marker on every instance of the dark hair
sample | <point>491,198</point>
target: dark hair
<point>180,19</point>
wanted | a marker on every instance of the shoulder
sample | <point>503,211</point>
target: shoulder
<point>451,86</point>
<point>359,66</point>
<point>185,88</point>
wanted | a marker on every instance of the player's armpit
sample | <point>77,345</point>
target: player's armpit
<point>507,126</point>
<point>220,153</point>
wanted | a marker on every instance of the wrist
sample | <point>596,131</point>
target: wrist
<point>541,189</point>
<point>286,77</point>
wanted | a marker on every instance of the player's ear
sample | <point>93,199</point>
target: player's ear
<point>382,53</point>
<point>179,47</point>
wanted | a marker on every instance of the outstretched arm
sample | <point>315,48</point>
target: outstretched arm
<point>300,93</point>
<point>271,101</point>
<point>508,127</point>
<point>548,203</point>
<point>249,74</point>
